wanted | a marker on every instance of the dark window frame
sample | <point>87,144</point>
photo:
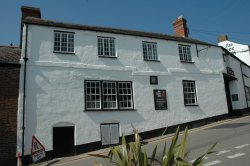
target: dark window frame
<point>117,96</point>
<point>151,80</point>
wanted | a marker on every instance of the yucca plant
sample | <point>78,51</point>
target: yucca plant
<point>131,154</point>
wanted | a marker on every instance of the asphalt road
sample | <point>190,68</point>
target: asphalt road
<point>232,149</point>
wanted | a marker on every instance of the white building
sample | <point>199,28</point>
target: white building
<point>241,51</point>
<point>83,86</point>
<point>237,83</point>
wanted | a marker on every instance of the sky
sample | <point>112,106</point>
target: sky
<point>206,19</point>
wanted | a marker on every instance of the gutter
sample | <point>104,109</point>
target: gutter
<point>244,84</point>
<point>24,86</point>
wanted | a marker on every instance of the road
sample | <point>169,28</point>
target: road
<point>232,149</point>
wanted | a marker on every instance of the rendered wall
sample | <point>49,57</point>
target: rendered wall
<point>55,85</point>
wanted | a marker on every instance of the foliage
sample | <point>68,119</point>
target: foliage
<point>131,154</point>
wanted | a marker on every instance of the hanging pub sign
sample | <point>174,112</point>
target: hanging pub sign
<point>160,97</point>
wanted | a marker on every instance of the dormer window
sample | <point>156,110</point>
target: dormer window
<point>63,42</point>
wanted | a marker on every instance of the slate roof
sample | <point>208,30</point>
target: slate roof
<point>43,22</point>
<point>10,54</point>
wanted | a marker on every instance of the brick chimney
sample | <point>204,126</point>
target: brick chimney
<point>180,27</point>
<point>222,38</point>
<point>28,12</point>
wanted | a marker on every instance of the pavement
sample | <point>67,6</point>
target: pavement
<point>67,160</point>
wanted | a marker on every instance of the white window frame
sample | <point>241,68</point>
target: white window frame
<point>189,92</point>
<point>185,53</point>
<point>115,95</point>
<point>149,50</point>
<point>106,46</point>
<point>63,42</point>
<point>92,95</point>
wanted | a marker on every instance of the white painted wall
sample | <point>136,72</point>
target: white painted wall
<point>55,85</point>
<point>240,50</point>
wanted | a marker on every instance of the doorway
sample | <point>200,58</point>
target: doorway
<point>63,141</point>
<point>228,96</point>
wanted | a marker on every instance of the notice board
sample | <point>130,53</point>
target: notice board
<point>160,98</point>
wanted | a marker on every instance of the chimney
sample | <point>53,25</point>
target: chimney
<point>30,12</point>
<point>222,38</point>
<point>180,27</point>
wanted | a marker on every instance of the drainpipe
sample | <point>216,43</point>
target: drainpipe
<point>24,85</point>
<point>243,83</point>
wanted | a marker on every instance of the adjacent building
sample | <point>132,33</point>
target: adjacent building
<point>9,88</point>
<point>241,51</point>
<point>83,86</point>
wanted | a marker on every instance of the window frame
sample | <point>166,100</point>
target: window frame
<point>68,47</point>
<point>118,107</point>
<point>153,50</point>
<point>195,93</point>
<point>101,50</point>
<point>186,54</point>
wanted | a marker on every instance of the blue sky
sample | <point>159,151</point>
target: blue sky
<point>206,18</point>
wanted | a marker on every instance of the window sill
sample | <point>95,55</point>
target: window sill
<point>191,105</point>
<point>102,56</point>
<point>58,52</point>
<point>187,61</point>
<point>151,60</point>
<point>109,110</point>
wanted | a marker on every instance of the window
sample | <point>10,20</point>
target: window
<point>106,46</point>
<point>108,95</point>
<point>110,133</point>
<point>247,90</point>
<point>235,97</point>
<point>185,54</point>
<point>149,51</point>
<point>189,91</point>
<point>64,42</point>
<point>153,80</point>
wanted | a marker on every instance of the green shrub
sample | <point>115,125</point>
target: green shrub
<point>131,154</point>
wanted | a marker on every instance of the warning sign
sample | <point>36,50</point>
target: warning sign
<point>37,150</point>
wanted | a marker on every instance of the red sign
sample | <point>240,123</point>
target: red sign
<point>37,150</point>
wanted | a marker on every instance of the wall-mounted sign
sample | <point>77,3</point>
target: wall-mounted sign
<point>160,97</point>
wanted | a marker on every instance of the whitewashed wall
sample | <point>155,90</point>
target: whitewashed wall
<point>55,85</point>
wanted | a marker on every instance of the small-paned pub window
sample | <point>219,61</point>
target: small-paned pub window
<point>106,46</point>
<point>63,42</point>
<point>185,53</point>
<point>153,80</point>
<point>110,133</point>
<point>150,51</point>
<point>235,97</point>
<point>189,92</point>
<point>108,95</point>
